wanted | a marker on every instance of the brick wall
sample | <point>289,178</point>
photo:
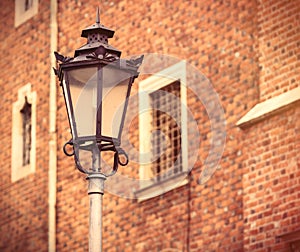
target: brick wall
<point>24,58</point>
<point>271,181</point>
<point>278,36</point>
<point>247,56</point>
<point>271,147</point>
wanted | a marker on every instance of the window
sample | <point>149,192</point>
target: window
<point>23,133</point>
<point>24,10</point>
<point>163,131</point>
<point>26,132</point>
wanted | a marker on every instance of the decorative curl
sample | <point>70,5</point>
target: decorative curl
<point>118,152</point>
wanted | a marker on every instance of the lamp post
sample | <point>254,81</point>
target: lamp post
<point>96,85</point>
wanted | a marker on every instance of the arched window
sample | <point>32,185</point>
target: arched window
<point>23,151</point>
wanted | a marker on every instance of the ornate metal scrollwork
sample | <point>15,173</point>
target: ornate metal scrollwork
<point>135,62</point>
<point>69,154</point>
<point>60,58</point>
<point>118,152</point>
<point>101,54</point>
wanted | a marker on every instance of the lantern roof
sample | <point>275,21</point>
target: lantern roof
<point>97,36</point>
<point>97,51</point>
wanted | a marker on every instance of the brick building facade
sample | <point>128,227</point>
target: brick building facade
<point>249,50</point>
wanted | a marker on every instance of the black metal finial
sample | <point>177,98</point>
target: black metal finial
<point>98,16</point>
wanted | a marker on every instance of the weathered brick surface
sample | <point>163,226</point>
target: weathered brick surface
<point>271,147</point>
<point>24,58</point>
<point>271,181</point>
<point>279,48</point>
<point>248,49</point>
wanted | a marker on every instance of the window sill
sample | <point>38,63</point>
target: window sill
<point>269,107</point>
<point>161,187</point>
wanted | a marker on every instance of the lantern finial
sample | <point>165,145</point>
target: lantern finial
<point>98,16</point>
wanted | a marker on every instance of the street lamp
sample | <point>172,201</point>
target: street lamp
<point>96,85</point>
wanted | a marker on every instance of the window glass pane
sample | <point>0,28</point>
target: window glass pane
<point>166,131</point>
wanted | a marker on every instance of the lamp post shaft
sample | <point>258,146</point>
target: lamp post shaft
<point>95,192</point>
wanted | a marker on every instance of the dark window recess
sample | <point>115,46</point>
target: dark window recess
<point>28,4</point>
<point>166,132</point>
<point>26,132</point>
<point>293,239</point>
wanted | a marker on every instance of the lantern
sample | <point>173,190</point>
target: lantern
<point>96,85</point>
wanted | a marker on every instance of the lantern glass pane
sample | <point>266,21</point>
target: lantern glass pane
<point>83,89</point>
<point>115,89</point>
<point>68,105</point>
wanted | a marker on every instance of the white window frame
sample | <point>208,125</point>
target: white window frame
<point>149,188</point>
<point>22,15</point>
<point>18,170</point>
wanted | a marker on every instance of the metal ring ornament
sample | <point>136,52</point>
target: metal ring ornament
<point>121,152</point>
<point>69,154</point>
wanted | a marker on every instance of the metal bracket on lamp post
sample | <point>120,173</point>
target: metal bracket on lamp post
<point>96,181</point>
<point>118,151</point>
